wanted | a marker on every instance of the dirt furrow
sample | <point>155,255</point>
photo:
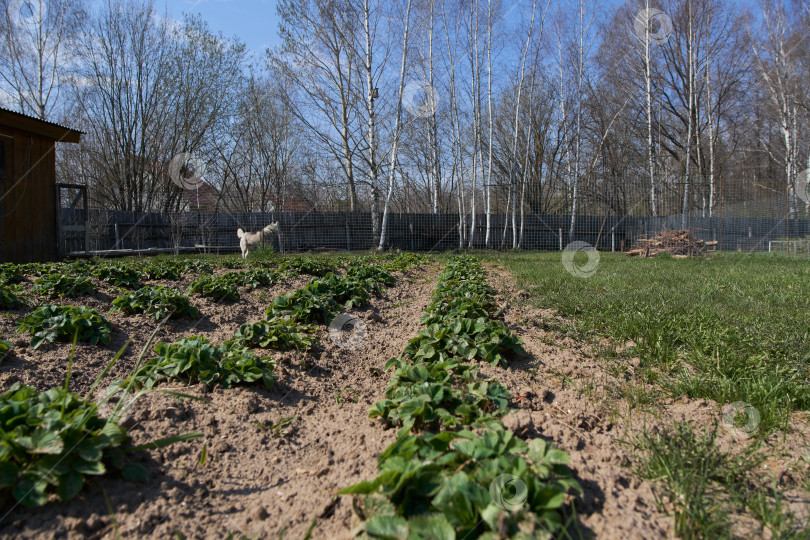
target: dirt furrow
<point>274,459</point>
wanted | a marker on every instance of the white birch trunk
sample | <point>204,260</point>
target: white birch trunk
<point>372,143</point>
<point>575,192</point>
<point>397,128</point>
<point>690,95</point>
<point>488,203</point>
<point>512,181</point>
<point>648,84</point>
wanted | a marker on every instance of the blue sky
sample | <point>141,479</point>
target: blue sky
<point>254,21</point>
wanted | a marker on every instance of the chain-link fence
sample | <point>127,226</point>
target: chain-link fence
<point>749,214</point>
<point>312,231</point>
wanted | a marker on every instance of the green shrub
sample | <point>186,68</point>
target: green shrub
<point>50,323</point>
<point>439,395</point>
<point>314,302</point>
<point>234,262</point>
<point>9,298</point>
<point>82,267</point>
<point>10,274</point>
<point>56,285</point>
<point>196,266</point>
<point>483,339</point>
<point>220,288</point>
<point>163,270</point>
<point>50,441</point>
<point>195,359</point>
<point>463,485</point>
<point>313,266</point>
<point>277,333</point>
<point>406,261</point>
<point>156,302</point>
<point>255,277</point>
<point>36,269</point>
<point>119,275</point>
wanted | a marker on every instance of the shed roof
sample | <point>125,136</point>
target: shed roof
<point>32,124</point>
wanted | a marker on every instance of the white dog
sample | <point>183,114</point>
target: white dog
<point>248,240</point>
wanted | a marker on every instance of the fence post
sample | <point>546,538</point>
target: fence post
<point>117,237</point>
<point>612,241</point>
<point>560,233</point>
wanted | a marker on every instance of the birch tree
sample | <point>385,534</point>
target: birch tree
<point>397,127</point>
<point>37,51</point>
<point>319,58</point>
<point>775,55</point>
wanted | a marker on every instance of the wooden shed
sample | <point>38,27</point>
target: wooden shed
<point>28,198</point>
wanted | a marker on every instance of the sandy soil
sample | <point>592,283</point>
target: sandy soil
<point>264,482</point>
<point>256,482</point>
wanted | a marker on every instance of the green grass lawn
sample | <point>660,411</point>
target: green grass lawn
<point>732,327</point>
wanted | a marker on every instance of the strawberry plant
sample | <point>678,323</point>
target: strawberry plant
<point>56,285</point>
<point>312,266</point>
<point>277,333</point>
<point>156,302</point>
<point>347,291</point>
<point>82,266</point>
<point>163,270</point>
<point>255,277</point>
<point>234,263</point>
<point>9,298</point>
<point>310,303</point>
<point>482,339</point>
<point>10,274</point>
<point>50,441</point>
<point>35,269</point>
<point>220,288</point>
<point>439,394</point>
<point>5,349</point>
<point>119,275</point>
<point>195,359</point>
<point>405,261</point>
<point>456,307</point>
<point>448,484</point>
<point>374,274</point>
<point>466,485</point>
<point>50,323</point>
<point>196,266</point>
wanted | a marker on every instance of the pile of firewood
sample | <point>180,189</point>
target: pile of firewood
<point>679,244</point>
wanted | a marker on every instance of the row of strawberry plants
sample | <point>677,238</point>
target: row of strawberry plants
<point>51,440</point>
<point>322,299</point>
<point>195,359</point>
<point>450,472</point>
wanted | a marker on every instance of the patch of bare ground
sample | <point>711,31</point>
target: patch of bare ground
<point>275,460</point>
<point>591,407</point>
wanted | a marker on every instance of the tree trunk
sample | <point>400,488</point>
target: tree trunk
<point>397,128</point>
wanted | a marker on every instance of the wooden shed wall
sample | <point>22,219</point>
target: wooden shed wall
<point>28,228</point>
